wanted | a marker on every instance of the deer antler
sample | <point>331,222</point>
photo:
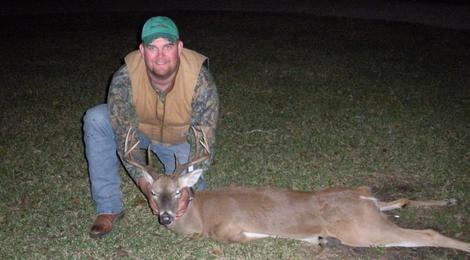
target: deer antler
<point>127,156</point>
<point>201,141</point>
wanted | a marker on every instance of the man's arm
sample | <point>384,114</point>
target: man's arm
<point>205,106</point>
<point>123,117</point>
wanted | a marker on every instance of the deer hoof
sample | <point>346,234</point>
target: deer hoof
<point>451,202</point>
<point>328,241</point>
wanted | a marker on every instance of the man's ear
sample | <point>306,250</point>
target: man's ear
<point>141,49</point>
<point>189,179</point>
<point>180,47</point>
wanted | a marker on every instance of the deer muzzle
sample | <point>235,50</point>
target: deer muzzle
<point>165,218</point>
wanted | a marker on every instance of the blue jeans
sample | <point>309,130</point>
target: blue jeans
<point>103,163</point>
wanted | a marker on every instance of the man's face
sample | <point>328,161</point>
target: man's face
<point>161,57</point>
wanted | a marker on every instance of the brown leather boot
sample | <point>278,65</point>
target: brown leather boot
<point>104,224</point>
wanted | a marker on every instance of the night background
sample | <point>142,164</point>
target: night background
<point>314,94</point>
<point>448,13</point>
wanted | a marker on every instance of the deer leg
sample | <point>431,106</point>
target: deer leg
<point>321,241</point>
<point>380,232</point>
<point>252,235</point>
<point>376,230</point>
<point>401,237</point>
<point>233,233</point>
<point>401,203</point>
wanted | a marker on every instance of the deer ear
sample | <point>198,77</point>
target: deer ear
<point>147,177</point>
<point>190,178</point>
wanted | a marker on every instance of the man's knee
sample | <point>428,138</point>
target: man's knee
<point>96,117</point>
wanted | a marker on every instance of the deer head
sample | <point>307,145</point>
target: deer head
<point>172,193</point>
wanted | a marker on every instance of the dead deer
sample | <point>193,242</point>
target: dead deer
<point>352,217</point>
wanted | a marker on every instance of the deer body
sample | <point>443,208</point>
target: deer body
<point>238,214</point>
<point>352,216</point>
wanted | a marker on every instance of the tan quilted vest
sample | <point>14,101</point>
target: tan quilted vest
<point>164,121</point>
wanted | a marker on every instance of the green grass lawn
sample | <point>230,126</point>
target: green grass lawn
<point>306,103</point>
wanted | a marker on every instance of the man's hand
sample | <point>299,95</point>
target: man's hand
<point>146,188</point>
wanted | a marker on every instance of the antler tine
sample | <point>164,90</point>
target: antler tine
<point>127,152</point>
<point>195,160</point>
<point>201,140</point>
<point>204,144</point>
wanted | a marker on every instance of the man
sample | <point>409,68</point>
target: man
<point>162,90</point>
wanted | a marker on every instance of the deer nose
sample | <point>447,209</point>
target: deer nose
<point>165,219</point>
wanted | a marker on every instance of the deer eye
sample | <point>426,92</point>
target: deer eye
<point>153,193</point>
<point>177,192</point>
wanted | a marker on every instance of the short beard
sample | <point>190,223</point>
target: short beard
<point>160,77</point>
<point>164,76</point>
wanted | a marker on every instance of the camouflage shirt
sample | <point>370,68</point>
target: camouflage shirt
<point>205,110</point>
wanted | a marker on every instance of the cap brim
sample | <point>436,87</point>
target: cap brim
<point>148,39</point>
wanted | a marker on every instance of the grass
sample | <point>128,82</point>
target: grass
<point>306,103</point>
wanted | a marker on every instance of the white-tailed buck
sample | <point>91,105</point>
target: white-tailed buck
<point>352,217</point>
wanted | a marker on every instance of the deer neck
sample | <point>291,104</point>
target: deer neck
<point>187,196</point>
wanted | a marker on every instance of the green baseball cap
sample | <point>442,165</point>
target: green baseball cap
<point>159,26</point>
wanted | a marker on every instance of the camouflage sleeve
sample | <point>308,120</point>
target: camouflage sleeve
<point>123,117</point>
<point>205,106</point>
